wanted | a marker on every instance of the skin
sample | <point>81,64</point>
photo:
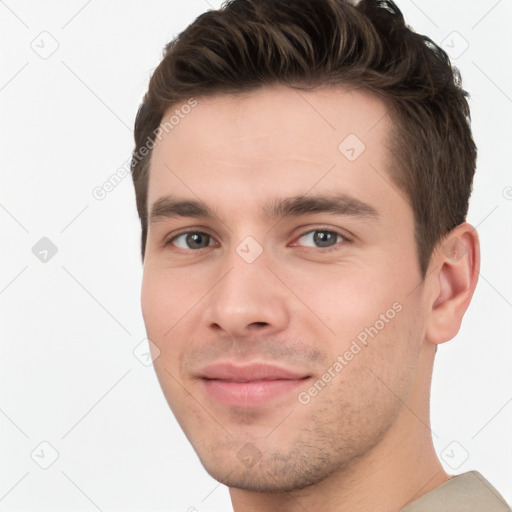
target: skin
<point>363,442</point>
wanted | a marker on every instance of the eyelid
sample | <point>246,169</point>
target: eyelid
<point>346,237</point>
<point>185,231</point>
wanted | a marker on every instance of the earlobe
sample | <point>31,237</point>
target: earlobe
<point>456,266</point>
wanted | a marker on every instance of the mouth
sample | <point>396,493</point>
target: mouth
<point>251,385</point>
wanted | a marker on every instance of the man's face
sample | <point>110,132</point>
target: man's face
<point>290,333</point>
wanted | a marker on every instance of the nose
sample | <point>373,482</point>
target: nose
<point>247,299</point>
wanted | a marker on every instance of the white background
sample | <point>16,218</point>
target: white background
<point>69,376</point>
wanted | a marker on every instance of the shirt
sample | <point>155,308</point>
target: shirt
<point>468,492</point>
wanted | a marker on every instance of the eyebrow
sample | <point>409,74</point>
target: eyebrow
<point>295,206</point>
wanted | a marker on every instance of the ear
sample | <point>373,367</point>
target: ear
<point>454,271</point>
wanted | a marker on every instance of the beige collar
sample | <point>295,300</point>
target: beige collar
<point>469,492</point>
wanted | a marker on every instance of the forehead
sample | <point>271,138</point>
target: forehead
<point>273,141</point>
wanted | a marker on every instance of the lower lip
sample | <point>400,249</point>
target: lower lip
<point>250,394</point>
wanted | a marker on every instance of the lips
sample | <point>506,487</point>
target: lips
<point>249,373</point>
<point>250,385</point>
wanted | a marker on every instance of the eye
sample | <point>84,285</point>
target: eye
<point>320,238</point>
<point>191,240</point>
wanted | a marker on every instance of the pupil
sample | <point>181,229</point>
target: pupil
<point>195,240</point>
<point>324,238</point>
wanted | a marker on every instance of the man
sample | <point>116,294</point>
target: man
<point>302,174</point>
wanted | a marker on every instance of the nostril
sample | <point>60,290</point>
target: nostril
<point>260,324</point>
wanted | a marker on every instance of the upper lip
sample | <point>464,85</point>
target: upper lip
<point>248,373</point>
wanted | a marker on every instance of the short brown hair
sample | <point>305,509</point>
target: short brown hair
<point>248,44</point>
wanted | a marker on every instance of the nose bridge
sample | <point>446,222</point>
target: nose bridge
<point>246,294</point>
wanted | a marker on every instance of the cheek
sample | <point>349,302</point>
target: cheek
<point>346,298</point>
<point>166,297</point>
<point>377,373</point>
<point>374,321</point>
<point>155,304</point>
<point>171,308</point>
<point>164,312</point>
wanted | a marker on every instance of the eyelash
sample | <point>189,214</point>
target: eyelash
<point>314,249</point>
